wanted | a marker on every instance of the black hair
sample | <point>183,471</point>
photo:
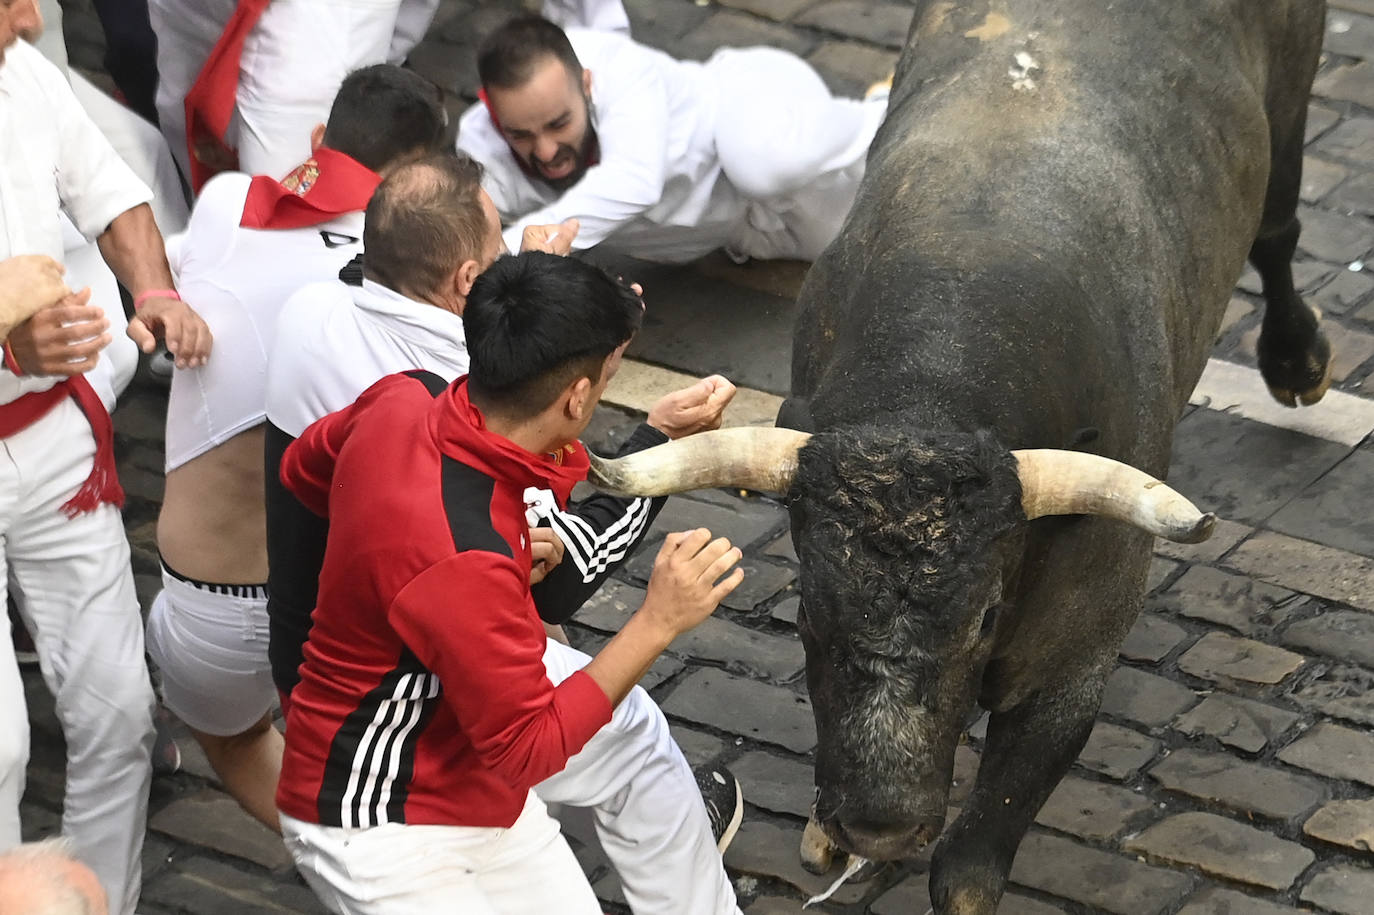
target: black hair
<point>384,112</point>
<point>536,322</point>
<point>508,56</point>
<point>423,221</point>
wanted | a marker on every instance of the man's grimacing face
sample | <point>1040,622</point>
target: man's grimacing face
<point>547,122</point>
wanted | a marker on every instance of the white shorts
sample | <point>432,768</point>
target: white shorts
<point>397,869</point>
<point>210,643</point>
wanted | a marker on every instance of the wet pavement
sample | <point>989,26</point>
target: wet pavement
<point>1232,768</point>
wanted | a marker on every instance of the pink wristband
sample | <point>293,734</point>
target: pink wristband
<point>147,294</point>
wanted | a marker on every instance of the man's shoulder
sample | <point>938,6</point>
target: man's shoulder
<point>319,297</point>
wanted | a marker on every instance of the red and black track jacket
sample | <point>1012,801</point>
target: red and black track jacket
<point>423,697</point>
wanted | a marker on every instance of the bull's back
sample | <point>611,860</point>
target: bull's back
<point>1058,203</point>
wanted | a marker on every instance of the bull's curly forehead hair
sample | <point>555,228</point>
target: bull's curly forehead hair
<point>509,56</point>
<point>535,323</point>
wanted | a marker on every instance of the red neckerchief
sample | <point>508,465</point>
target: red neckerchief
<point>210,102</point>
<point>102,485</point>
<point>462,433</point>
<point>593,157</point>
<point>323,187</point>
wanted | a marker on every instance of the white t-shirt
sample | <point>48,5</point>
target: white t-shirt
<point>336,341</point>
<point>658,191</point>
<point>238,280</point>
<point>53,158</point>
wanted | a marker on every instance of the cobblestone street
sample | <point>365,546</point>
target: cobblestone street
<point>1231,771</point>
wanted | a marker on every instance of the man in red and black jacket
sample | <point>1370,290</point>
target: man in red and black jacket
<point>425,713</point>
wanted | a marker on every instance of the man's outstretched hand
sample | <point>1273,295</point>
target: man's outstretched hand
<point>693,409</point>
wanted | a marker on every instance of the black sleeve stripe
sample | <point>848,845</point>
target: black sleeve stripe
<point>467,495</point>
<point>432,382</point>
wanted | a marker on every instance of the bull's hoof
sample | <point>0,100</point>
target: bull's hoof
<point>1296,378</point>
<point>817,853</point>
<point>1305,396</point>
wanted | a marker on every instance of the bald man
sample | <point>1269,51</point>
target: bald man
<point>42,878</point>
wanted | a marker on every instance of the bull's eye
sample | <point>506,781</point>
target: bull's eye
<point>989,619</point>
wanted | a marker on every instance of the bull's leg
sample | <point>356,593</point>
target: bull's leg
<point>1029,748</point>
<point>1294,355</point>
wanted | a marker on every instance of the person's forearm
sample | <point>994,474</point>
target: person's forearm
<point>628,656</point>
<point>133,248</point>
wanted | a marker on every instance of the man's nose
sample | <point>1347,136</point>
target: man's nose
<point>546,149</point>
<point>28,21</point>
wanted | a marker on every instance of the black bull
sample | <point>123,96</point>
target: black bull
<point>1053,216</point>
<point>1054,213</point>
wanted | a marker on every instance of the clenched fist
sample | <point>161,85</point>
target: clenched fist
<point>693,409</point>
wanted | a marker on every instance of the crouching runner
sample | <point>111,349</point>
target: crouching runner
<point>424,714</point>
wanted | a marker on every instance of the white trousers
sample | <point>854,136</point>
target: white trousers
<point>211,650</point>
<point>789,146</point>
<point>73,586</point>
<point>645,805</point>
<point>526,869</point>
<point>293,63</point>
<point>602,15</point>
<point>647,809</point>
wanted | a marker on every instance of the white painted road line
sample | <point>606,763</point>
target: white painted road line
<point>1225,386</point>
<point>1339,417</point>
<point>638,385</point>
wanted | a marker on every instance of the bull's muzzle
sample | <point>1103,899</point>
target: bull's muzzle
<point>883,841</point>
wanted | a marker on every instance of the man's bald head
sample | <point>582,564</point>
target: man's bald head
<point>42,878</point>
<point>426,219</point>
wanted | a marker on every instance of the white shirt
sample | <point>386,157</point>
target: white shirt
<point>336,341</point>
<point>52,158</point>
<point>658,191</point>
<point>238,280</point>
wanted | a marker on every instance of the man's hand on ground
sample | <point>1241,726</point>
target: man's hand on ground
<point>546,551</point>
<point>693,409</point>
<point>63,339</point>
<point>186,334</point>
<point>28,283</point>
<point>550,239</point>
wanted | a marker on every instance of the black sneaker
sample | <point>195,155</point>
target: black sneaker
<point>724,800</point>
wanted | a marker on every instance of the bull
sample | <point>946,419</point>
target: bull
<point>988,366</point>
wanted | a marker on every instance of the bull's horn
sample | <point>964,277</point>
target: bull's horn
<point>1055,482</point>
<point>750,457</point>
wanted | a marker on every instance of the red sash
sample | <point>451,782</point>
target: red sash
<point>325,186</point>
<point>210,103</point>
<point>103,483</point>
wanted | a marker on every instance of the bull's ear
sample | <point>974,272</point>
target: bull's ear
<point>795,413</point>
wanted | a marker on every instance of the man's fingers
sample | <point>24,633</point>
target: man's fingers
<point>722,563</point>
<point>688,543</point>
<point>723,589</point>
<point>141,335</point>
<point>84,349</point>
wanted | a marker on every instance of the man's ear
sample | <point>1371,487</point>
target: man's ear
<point>463,278</point>
<point>587,82</point>
<point>578,399</point>
<point>316,138</point>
